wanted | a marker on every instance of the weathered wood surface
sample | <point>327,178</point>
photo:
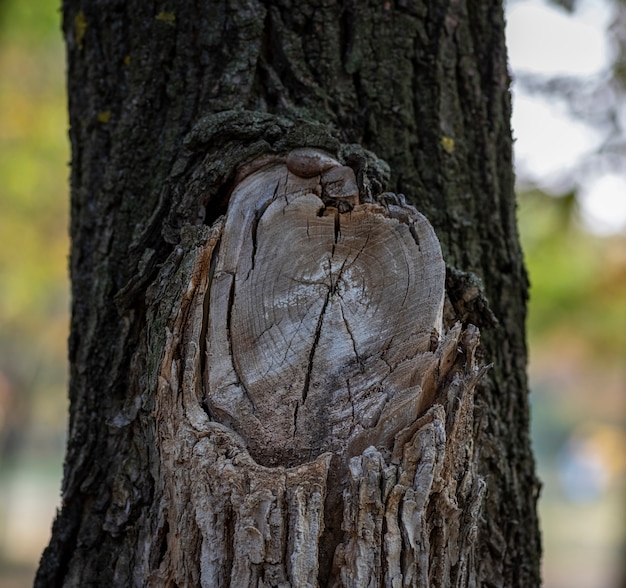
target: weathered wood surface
<point>314,419</point>
<point>318,317</point>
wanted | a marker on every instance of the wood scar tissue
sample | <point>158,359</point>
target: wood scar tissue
<point>324,326</point>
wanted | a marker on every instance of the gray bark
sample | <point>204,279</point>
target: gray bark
<point>158,487</point>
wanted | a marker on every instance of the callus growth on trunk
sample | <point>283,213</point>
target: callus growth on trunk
<point>315,418</point>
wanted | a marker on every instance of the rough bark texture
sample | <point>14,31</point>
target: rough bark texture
<point>152,481</point>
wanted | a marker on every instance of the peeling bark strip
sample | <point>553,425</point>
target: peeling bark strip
<point>315,423</point>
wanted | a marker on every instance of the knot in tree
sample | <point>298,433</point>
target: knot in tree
<point>309,371</point>
<point>322,312</point>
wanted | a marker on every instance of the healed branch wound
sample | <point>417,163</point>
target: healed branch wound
<point>315,419</point>
<point>323,310</point>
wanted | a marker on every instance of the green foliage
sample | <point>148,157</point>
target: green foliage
<point>33,207</point>
<point>32,24</point>
<point>34,288</point>
<point>578,280</point>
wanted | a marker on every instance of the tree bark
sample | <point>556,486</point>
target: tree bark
<point>168,480</point>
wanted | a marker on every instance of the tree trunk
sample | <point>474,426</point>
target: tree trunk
<point>275,380</point>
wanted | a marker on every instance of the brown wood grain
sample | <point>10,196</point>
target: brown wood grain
<point>318,318</point>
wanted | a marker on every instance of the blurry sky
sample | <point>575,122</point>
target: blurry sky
<point>554,148</point>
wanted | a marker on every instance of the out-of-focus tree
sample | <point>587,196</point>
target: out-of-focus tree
<point>33,214</point>
<point>577,320</point>
<point>33,278</point>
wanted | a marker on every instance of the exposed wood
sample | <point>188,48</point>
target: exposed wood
<point>325,358</point>
<point>318,318</point>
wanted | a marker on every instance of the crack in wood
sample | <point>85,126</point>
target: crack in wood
<point>415,235</point>
<point>316,338</point>
<point>233,356</point>
<point>253,235</point>
<point>356,353</point>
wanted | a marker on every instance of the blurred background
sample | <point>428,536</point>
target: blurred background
<point>568,58</point>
